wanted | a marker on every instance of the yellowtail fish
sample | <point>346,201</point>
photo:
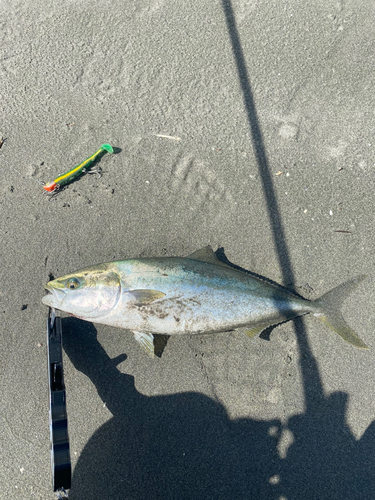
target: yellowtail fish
<point>192,295</point>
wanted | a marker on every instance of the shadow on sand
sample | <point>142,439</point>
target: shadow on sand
<point>185,447</point>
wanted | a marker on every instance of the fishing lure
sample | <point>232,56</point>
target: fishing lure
<point>64,179</point>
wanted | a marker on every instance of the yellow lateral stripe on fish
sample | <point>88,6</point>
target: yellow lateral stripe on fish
<point>63,179</point>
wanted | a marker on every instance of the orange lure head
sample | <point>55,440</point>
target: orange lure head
<point>50,187</point>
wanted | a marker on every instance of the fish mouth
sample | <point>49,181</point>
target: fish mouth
<point>54,297</point>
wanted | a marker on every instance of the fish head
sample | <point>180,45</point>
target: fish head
<point>88,294</point>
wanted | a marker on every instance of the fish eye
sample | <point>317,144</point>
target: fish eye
<point>73,283</point>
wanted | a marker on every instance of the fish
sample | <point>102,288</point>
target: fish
<point>197,294</point>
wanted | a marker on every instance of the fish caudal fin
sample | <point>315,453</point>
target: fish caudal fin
<point>327,309</point>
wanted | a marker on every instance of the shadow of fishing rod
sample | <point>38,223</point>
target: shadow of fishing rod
<point>325,460</point>
<point>313,390</point>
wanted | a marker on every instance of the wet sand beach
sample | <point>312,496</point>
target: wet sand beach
<point>242,124</point>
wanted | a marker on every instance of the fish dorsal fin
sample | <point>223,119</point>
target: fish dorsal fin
<point>143,297</point>
<point>206,254</point>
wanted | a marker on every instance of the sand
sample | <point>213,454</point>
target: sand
<point>245,125</point>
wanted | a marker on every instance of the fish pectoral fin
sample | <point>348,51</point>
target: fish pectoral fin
<point>146,341</point>
<point>207,255</point>
<point>143,297</point>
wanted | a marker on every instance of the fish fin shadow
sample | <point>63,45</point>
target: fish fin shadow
<point>266,333</point>
<point>160,342</point>
<point>152,343</point>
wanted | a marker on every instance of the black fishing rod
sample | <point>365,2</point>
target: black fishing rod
<point>58,419</point>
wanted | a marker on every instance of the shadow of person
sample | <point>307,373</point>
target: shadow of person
<point>325,460</point>
<point>164,447</point>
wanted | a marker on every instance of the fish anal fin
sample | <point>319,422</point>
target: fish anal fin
<point>146,341</point>
<point>252,332</point>
<point>143,297</point>
<point>206,254</point>
<point>268,327</point>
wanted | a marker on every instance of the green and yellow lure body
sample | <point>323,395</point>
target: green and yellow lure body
<point>68,177</point>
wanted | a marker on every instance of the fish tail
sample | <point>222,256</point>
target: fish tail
<point>327,309</point>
